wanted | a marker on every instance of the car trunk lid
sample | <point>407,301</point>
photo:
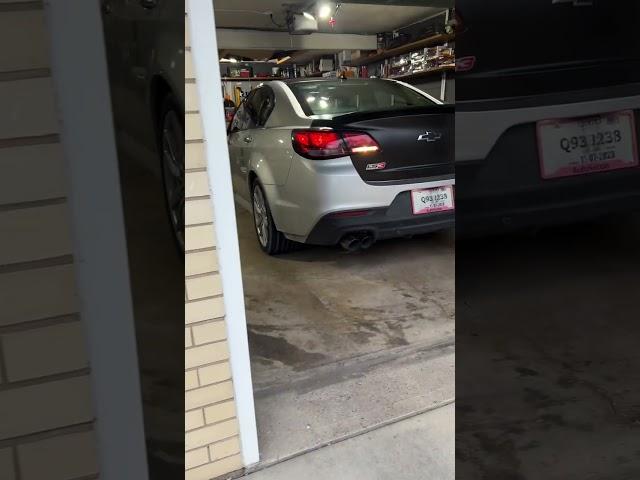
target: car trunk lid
<point>415,144</point>
<point>509,49</point>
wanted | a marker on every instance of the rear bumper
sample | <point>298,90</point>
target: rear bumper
<point>499,182</point>
<point>382,223</point>
<point>316,189</point>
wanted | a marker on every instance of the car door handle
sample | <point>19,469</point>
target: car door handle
<point>247,139</point>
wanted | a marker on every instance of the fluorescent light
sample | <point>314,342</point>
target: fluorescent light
<point>324,11</point>
<point>308,15</point>
<point>323,104</point>
<point>233,60</point>
<point>311,99</point>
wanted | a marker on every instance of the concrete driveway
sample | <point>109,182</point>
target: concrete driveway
<point>418,448</point>
<point>342,343</point>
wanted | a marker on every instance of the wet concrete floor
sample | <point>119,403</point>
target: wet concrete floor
<point>340,342</point>
<point>320,305</point>
<point>548,365</point>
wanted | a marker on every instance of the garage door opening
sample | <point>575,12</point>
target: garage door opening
<point>342,340</point>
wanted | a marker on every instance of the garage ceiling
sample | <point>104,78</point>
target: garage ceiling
<point>351,17</point>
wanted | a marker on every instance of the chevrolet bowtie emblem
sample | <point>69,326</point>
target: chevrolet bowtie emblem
<point>430,137</point>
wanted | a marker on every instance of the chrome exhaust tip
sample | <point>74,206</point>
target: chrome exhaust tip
<point>367,241</point>
<point>351,243</point>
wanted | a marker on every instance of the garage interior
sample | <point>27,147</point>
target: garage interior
<point>342,343</point>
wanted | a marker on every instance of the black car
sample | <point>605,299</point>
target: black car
<point>547,112</point>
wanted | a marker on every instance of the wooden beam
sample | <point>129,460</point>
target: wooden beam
<point>239,39</point>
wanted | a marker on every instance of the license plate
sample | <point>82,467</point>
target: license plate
<point>578,146</point>
<point>431,200</point>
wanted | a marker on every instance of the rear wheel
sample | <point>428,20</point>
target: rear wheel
<point>270,239</point>
<point>172,151</point>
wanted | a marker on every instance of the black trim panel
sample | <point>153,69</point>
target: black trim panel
<point>564,98</point>
<point>395,221</point>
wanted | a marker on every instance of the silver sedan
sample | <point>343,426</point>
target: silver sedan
<point>342,161</point>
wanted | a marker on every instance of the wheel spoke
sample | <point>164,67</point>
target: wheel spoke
<point>260,216</point>
<point>176,197</point>
<point>170,144</point>
<point>172,157</point>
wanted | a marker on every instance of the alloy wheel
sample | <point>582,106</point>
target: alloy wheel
<point>260,216</point>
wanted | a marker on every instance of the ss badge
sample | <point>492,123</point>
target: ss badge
<point>376,166</point>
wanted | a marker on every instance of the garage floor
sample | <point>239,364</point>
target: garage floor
<point>548,362</point>
<point>344,342</point>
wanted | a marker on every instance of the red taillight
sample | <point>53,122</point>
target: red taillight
<point>325,144</point>
<point>318,144</point>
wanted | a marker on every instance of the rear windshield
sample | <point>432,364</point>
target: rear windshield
<point>347,96</point>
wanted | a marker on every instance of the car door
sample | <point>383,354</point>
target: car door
<point>147,27</point>
<point>239,136</point>
<point>138,33</point>
<point>118,27</point>
<point>265,150</point>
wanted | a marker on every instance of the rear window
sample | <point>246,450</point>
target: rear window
<point>347,96</point>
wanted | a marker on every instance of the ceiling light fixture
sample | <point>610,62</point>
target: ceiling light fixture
<point>324,11</point>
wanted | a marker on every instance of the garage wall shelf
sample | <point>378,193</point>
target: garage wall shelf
<point>426,73</point>
<point>409,47</point>
<point>249,79</point>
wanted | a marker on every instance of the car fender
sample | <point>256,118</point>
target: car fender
<point>271,155</point>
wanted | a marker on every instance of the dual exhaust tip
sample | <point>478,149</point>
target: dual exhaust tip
<point>353,242</point>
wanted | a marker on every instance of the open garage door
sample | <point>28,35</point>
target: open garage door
<point>341,342</point>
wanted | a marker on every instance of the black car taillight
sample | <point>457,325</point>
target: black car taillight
<point>326,144</point>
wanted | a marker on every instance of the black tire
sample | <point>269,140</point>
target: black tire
<point>171,144</point>
<point>271,241</point>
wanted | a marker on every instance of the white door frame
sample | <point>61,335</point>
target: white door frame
<point>207,67</point>
<point>79,71</point>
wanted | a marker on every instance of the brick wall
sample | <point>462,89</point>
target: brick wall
<point>211,439</point>
<point>46,419</point>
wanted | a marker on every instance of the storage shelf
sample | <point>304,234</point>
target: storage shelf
<point>426,73</point>
<point>409,76</point>
<point>409,47</point>
<point>250,79</point>
<point>263,79</point>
